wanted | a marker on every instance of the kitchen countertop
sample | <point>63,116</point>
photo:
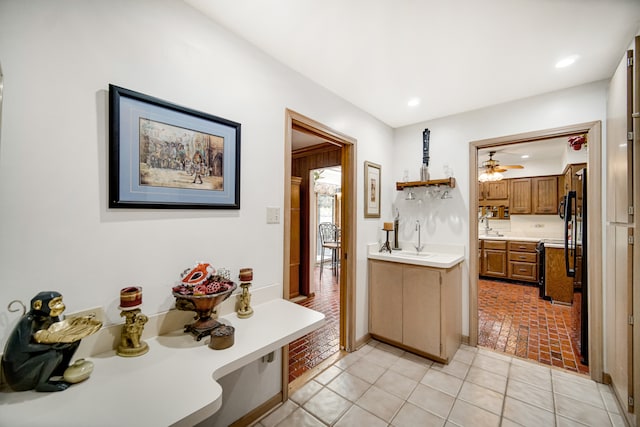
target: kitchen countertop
<point>173,384</point>
<point>433,255</point>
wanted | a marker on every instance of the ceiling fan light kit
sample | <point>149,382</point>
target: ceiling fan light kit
<point>491,169</point>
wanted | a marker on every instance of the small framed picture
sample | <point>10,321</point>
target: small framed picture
<point>372,175</point>
<point>164,156</point>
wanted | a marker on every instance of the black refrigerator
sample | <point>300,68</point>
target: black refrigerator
<point>573,209</point>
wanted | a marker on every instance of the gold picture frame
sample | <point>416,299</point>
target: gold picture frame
<point>372,184</point>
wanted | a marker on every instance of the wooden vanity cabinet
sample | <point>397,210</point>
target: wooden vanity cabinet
<point>416,308</point>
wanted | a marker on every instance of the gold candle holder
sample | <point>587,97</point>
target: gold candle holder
<point>244,299</point>
<point>131,344</point>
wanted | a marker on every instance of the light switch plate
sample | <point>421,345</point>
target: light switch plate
<point>273,215</point>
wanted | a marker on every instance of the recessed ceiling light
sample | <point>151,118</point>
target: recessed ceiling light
<point>565,62</point>
<point>413,102</point>
<point>524,156</point>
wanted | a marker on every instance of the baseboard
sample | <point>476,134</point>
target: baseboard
<point>258,412</point>
<point>606,379</point>
<point>465,339</point>
<point>362,341</point>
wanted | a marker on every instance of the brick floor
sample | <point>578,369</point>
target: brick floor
<point>317,346</point>
<point>513,319</point>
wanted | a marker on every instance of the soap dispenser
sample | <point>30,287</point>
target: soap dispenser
<point>396,226</point>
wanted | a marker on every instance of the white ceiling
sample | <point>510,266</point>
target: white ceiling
<point>455,55</point>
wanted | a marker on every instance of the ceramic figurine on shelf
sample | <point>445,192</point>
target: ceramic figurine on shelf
<point>41,345</point>
<point>244,304</point>
<point>130,343</point>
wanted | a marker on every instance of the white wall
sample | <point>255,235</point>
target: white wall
<point>56,231</point>
<point>446,221</point>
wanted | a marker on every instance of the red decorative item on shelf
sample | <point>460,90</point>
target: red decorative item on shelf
<point>576,142</point>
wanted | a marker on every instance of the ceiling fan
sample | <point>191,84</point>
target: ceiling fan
<point>491,169</point>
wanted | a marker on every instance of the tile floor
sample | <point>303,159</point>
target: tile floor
<point>380,385</point>
<point>513,319</point>
<point>317,346</point>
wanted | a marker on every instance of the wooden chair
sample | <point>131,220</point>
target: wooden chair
<point>329,239</point>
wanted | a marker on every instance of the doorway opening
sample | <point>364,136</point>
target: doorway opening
<point>320,189</point>
<point>510,309</point>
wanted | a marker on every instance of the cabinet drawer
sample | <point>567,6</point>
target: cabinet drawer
<point>523,257</point>
<point>495,244</point>
<point>523,271</point>
<point>523,246</point>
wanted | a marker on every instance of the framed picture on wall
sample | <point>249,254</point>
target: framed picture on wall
<point>162,155</point>
<point>372,175</point>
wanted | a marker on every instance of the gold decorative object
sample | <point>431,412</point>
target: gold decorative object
<point>244,299</point>
<point>68,330</point>
<point>130,343</point>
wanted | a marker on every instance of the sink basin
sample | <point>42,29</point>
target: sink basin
<point>414,254</point>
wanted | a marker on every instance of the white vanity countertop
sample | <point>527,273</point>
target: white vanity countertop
<point>173,384</point>
<point>437,256</point>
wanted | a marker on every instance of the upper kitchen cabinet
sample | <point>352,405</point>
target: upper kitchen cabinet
<point>544,191</point>
<point>520,196</point>
<point>496,190</point>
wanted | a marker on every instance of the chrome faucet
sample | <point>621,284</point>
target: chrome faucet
<point>419,246</point>
<point>485,218</point>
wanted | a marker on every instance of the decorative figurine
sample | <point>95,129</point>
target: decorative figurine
<point>244,304</point>
<point>130,343</point>
<point>41,345</point>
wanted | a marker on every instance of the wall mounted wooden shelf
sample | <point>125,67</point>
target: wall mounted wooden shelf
<point>450,182</point>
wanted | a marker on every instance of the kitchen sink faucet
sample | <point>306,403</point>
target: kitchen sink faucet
<point>419,246</point>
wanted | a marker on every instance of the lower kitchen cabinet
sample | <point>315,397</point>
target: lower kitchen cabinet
<point>523,261</point>
<point>416,308</point>
<point>494,262</point>
<point>558,286</point>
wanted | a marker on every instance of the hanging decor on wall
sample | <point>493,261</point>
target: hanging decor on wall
<point>371,190</point>
<point>162,155</point>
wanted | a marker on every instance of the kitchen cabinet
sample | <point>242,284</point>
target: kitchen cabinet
<point>523,261</point>
<point>494,190</point>
<point>520,196</point>
<point>416,308</point>
<point>494,258</point>
<point>558,286</point>
<point>544,191</point>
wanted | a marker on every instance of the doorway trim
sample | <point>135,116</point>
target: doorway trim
<point>349,222</point>
<point>594,230</point>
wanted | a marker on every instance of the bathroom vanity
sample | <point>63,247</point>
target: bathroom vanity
<point>415,301</point>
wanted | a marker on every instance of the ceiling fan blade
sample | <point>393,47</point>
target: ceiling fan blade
<point>499,169</point>
<point>511,166</point>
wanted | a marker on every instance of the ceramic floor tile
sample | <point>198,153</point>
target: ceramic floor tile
<point>586,392</point>
<point>534,375</point>
<point>566,422</point>
<point>348,386</point>
<point>466,415</point>
<point>380,403</point>
<point>497,366</point>
<point>327,405</point>
<point>455,368</point>
<point>381,357</point>
<point>432,400</point>
<point>609,399</point>
<point>481,397</point>
<point>409,368</point>
<point>464,355</point>
<point>411,416</point>
<point>306,392</point>
<point>358,417</point>
<point>327,375</point>
<point>617,420</point>
<point>366,370</point>
<point>279,414</point>
<point>526,415</point>
<point>530,394</point>
<point>348,360</point>
<point>581,412</point>
<point>301,418</point>
<point>396,384</point>
<point>418,359</point>
<point>487,379</point>
<point>441,381</point>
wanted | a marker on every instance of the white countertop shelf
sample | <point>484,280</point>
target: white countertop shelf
<point>437,256</point>
<point>173,384</point>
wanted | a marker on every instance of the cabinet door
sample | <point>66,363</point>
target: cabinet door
<point>520,199</point>
<point>385,300</point>
<point>421,311</point>
<point>498,190</point>
<point>495,263</point>
<point>545,194</point>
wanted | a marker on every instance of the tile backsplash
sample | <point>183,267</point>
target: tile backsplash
<point>547,226</point>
